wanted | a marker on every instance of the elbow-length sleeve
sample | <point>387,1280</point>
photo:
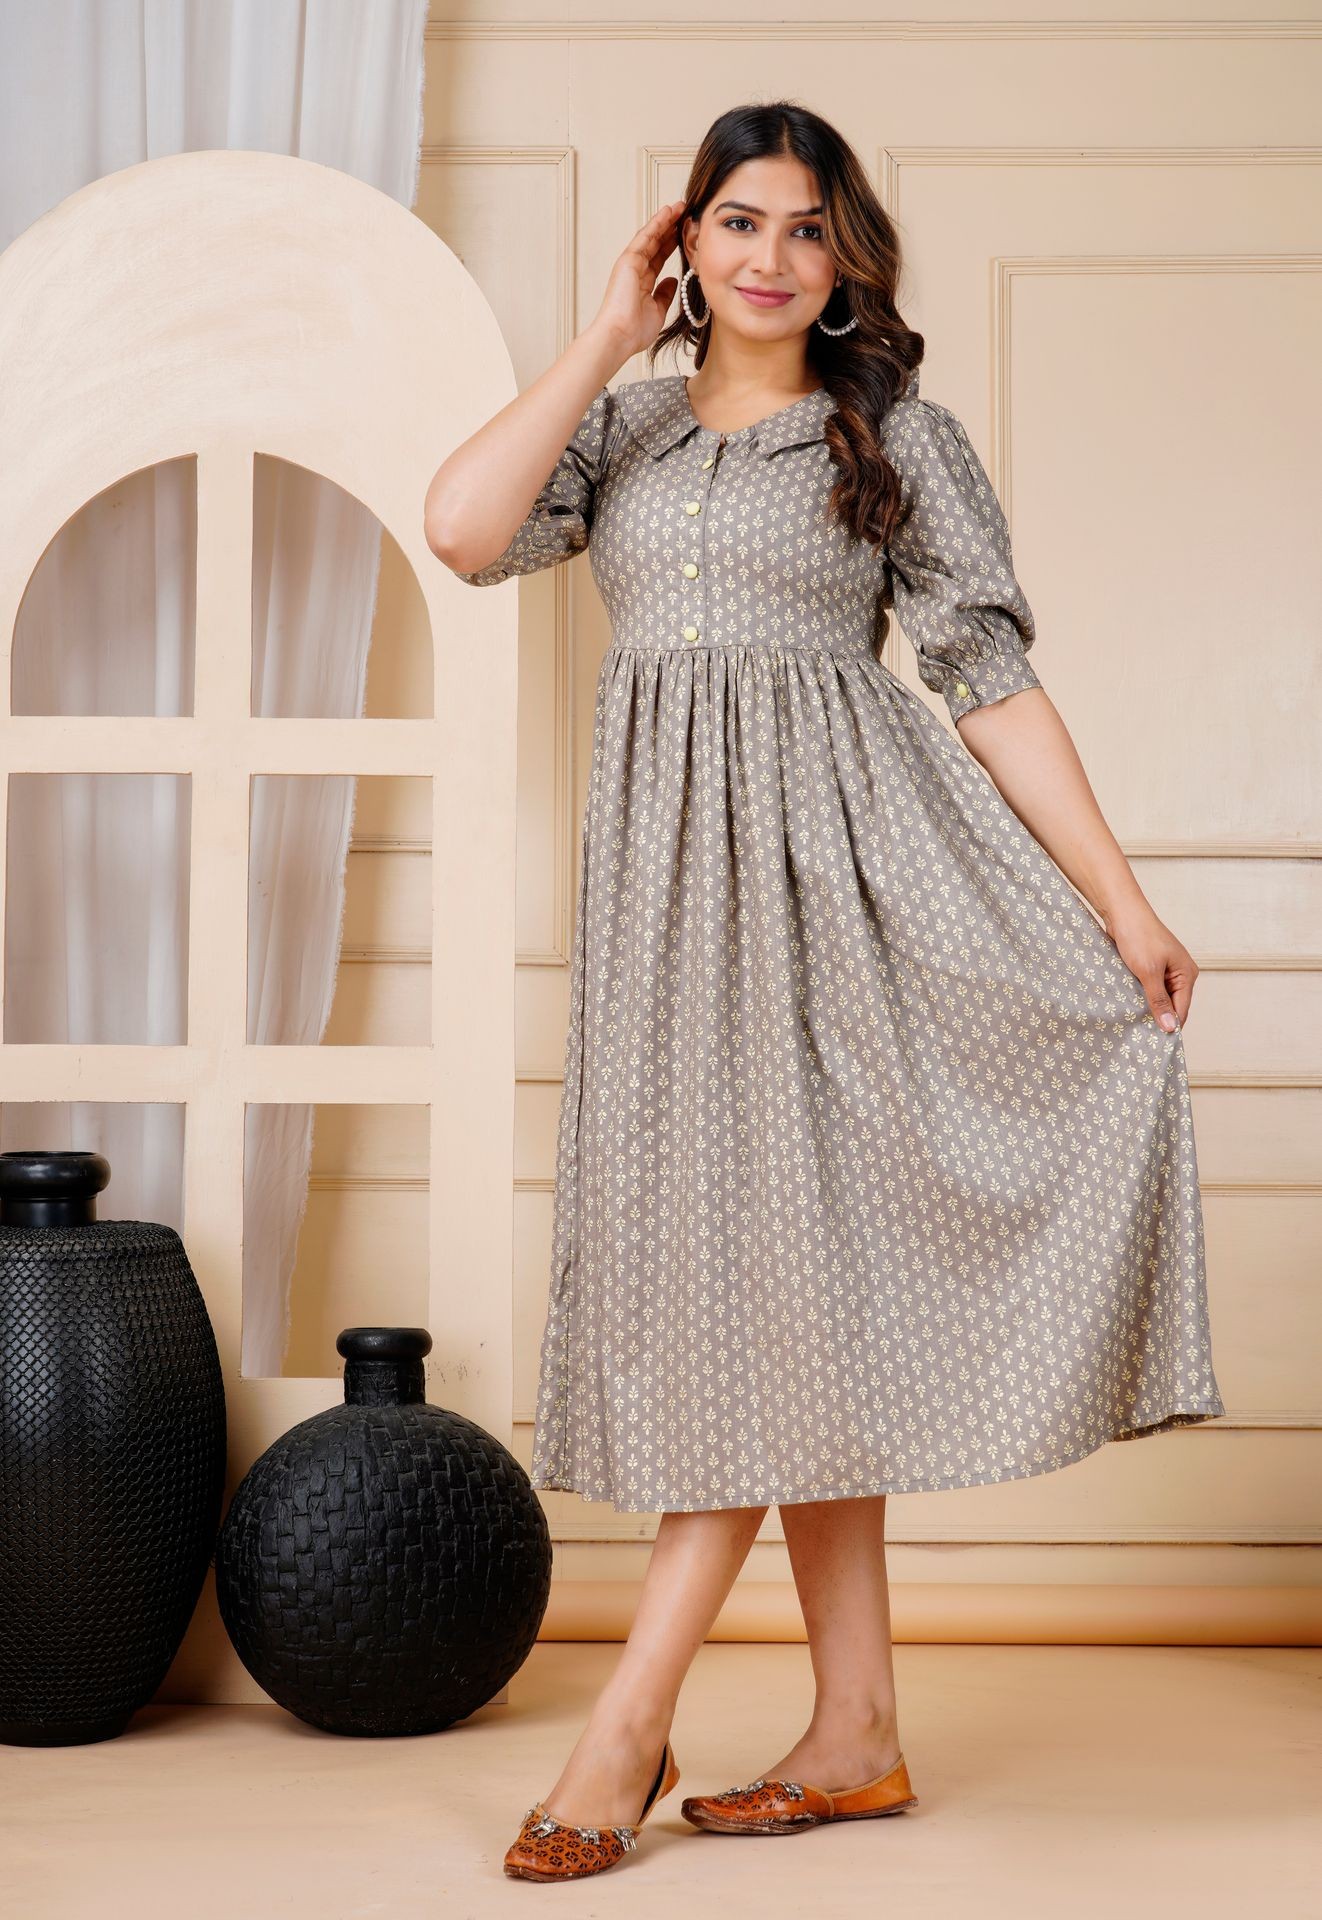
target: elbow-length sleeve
<point>950,565</point>
<point>560,519</point>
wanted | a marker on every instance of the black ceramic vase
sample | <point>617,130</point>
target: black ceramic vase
<point>384,1567</point>
<point>112,1453</point>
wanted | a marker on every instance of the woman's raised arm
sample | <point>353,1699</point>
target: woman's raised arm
<point>483,492</point>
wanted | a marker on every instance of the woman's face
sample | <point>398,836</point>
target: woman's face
<point>761,233</point>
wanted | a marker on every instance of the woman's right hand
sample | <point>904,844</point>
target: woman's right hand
<point>635,304</point>
<point>481,494</point>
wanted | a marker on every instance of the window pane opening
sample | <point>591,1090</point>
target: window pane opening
<point>358,1256</point>
<point>339,910</point>
<point>142,1139</point>
<point>108,621</point>
<point>96,911</point>
<point>340,629</point>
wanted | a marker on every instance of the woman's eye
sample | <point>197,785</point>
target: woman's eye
<point>816,232</point>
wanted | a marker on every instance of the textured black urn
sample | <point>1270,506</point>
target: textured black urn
<point>112,1453</point>
<point>384,1567</point>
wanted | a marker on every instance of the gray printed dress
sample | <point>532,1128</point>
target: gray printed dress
<point>874,1172</point>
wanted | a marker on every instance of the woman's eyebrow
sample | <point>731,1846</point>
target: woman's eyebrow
<point>741,206</point>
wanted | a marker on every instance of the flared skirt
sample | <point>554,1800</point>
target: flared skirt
<point>874,1171</point>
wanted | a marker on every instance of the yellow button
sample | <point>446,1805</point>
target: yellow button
<point>693,506</point>
<point>708,463</point>
<point>690,571</point>
<point>961,688</point>
<point>690,633</point>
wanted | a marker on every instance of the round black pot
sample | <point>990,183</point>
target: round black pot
<point>112,1453</point>
<point>384,1567</point>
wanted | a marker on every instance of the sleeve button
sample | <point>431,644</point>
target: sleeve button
<point>961,688</point>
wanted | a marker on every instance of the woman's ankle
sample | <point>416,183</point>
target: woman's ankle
<point>858,1722</point>
<point>643,1722</point>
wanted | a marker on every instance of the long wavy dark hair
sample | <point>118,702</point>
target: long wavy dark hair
<point>863,370</point>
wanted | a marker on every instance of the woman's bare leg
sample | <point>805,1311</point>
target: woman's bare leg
<point>837,1550</point>
<point>692,1567</point>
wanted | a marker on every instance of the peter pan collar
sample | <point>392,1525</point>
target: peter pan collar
<point>658,414</point>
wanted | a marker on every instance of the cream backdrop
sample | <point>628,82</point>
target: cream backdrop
<point>1119,284</point>
<point>1113,233</point>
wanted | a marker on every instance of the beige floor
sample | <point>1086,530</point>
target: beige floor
<point>1053,1781</point>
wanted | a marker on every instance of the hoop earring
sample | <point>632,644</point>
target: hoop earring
<point>836,331</point>
<point>696,324</point>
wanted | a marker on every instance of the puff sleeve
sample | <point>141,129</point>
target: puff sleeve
<point>560,518</point>
<point>950,565</point>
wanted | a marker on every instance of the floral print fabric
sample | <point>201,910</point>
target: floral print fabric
<point>874,1172</point>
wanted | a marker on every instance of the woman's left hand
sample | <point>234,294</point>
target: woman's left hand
<point>1162,965</point>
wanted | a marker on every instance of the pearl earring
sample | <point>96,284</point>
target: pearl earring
<point>694,321</point>
<point>834,331</point>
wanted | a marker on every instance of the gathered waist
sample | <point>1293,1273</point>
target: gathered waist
<point>860,649</point>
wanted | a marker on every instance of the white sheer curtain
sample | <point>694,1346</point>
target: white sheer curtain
<point>96,940</point>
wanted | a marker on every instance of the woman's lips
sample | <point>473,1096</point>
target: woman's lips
<point>756,299</point>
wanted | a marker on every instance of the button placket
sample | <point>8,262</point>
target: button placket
<point>698,570</point>
<point>689,570</point>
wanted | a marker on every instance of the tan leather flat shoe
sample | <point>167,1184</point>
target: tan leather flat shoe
<point>551,1849</point>
<point>788,1806</point>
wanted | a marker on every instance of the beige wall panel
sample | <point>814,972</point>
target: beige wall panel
<point>1269,1136</point>
<point>1266,1305</point>
<point>542,1000</point>
<point>544,866</point>
<point>1256,1021</point>
<point>1189,1484</point>
<point>974,1563</point>
<point>397,811</point>
<point>1055,1613</point>
<point>509,217</point>
<point>363,1253</point>
<point>1023,1590</point>
<point>388,900</point>
<point>1265,911</point>
<point>1099,298</point>
<point>386,1141</point>
<point>538,1110</point>
<point>362,1261</point>
<point>380,1003</point>
<point>533,1208</point>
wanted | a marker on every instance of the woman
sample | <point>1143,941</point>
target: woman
<point>875,1169</point>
